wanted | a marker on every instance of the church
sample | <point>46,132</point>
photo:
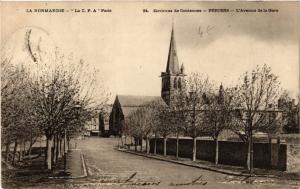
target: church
<point>173,80</point>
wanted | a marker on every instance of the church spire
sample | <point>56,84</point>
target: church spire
<point>172,64</point>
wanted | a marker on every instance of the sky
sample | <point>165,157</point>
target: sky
<point>130,47</point>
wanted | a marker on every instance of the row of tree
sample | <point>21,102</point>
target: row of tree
<point>204,110</point>
<point>54,99</point>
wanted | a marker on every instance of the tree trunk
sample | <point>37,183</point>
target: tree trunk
<point>194,148</point>
<point>155,144</point>
<point>21,149</point>
<point>177,145</point>
<point>30,147</point>
<point>57,148</point>
<point>49,153</point>
<point>147,145</point>
<point>135,144</point>
<point>7,145</point>
<point>65,144</point>
<point>165,146</point>
<point>24,149</point>
<point>141,145</point>
<point>68,144</point>
<point>14,152</point>
<point>216,151</point>
<point>54,149</point>
<point>40,153</point>
<point>46,152</point>
<point>248,156</point>
<point>122,143</point>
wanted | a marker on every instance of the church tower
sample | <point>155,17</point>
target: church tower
<point>173,78</point>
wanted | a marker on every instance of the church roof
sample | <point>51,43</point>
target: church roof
<point>172,64</point>
<point>135,101</point>
<point>130,103</point>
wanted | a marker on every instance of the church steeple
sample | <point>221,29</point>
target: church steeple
<point>173,79</point>
<point>172,64</point>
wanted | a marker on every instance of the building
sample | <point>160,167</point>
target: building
<point>104,121</point>
<point>91,127</point>
<point>173,80</point>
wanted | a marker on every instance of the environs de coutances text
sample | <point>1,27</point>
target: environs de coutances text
<point>221,10</point>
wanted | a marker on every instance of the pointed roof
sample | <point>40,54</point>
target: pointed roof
<point>172,64</point>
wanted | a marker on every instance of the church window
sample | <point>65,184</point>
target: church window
<point>167,84</point>
<point>175,83</point>
<point>179,83</point>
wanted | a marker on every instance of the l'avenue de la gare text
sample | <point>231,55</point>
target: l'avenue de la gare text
<point>177,10</point>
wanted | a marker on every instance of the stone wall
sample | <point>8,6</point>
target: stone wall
<point>230,153</point>
<point>293,158</point>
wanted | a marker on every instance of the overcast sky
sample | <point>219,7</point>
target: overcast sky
<point>130,47</point>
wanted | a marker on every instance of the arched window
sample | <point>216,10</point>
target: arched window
<point>179,83</point>
<point>175,83</point>
<point>166,84</point>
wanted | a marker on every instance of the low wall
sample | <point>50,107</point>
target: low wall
<point>230,153</point>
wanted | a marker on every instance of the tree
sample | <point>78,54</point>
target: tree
<point>58,90</point>
<point>144,121</point>
<point>152,122</point>
<point>17,117</point>
<point>116,119</point>
<point>255,94</point>
<point>41,95</point>
<point>218,115</point>
<point>177,115</point>
<point>290,113</point>
<point>134,122</point>
<point>198,86</point>
<point>165,126</point>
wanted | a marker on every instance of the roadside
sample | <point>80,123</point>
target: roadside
<point>34,172</point>
<point>259,174</point>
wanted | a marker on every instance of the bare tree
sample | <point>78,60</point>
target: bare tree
<point>144,121</point>
<point>59,91</point>
<point>290,113</point>
<point>198,87</point>
<point>17,117</point>
<point>218,114</point>
<point>50,94</point>
<point>152,112</point>
<point>178,115</point>
<point>256,93</point>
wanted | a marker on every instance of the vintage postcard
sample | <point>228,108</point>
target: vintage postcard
<point>200,94</point>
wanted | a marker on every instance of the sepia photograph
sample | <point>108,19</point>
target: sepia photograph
<point>142,95</point>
